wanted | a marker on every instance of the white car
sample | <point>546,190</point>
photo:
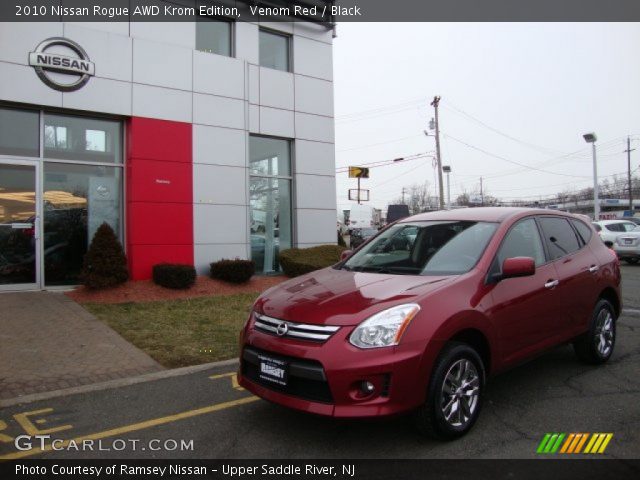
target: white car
<point>621,235</point>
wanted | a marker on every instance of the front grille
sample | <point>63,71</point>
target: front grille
<point>302,331</point>
<point>306,378</point>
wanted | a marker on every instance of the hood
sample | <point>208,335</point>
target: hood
<point>340,297</point>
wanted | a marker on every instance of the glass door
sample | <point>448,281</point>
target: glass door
<point>19,226</point>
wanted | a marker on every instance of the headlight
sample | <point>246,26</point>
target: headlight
<point>385,328</point>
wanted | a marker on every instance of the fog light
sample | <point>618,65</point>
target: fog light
<point>367,387</point>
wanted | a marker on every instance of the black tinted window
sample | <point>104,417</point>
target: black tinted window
<point>583,230</point>
<point>559,236</point>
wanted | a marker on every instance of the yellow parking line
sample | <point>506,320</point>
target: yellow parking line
<point>135,426</point>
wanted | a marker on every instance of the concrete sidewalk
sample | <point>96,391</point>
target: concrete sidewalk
<point>48,342</point>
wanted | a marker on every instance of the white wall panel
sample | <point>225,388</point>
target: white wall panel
<point>218,75</point>
<point>276,88</point>
<point>101,95</point>
<point>220,223</point>
<point>247,42</point>
<point>162,103</point>
<point>316,226</point>
<point>172,33</point>
<point>162,65</point>
<point>313,31</point>
<point>19,83</point>
<point>254,84</point>
<point>314,96</point>
<point>316,158</point>
<point>111,53</point>
<point>314,127</point>
<point>312,58</point>
<point>219,185</point>
<point>254,119</point>
<point>279,123</point>
<point>119,28</point>
<point>18,39</point>
<point>218,111</point>
<point>205,254</point>
<point>220,146</point>
<point>314,191</point>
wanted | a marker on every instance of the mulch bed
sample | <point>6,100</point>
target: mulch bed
<point>147,291</point>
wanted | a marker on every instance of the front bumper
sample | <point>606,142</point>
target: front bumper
<point>326,378</point>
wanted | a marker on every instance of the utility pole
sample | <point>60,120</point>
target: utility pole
<point>403,195</point>
<point>628,152</point>
<point>434,104</point>
<point>481,193</point>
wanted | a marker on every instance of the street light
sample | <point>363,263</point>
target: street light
<point>591,138</point>
<point>447,169</point>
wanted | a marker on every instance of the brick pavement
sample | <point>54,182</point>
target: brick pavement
<point>49,342</point>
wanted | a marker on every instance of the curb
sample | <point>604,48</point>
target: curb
<point>120,382</point>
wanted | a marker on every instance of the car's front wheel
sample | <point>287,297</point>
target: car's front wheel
<point>454,395</point>
<point>596,346</point>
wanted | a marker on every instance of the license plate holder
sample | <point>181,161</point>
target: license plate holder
<point>628,241</point>
<point>273,370</point>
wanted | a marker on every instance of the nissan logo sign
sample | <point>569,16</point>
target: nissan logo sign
<point>282,329</point>
<point>79,68</point>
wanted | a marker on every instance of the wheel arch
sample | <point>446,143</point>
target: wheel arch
<point>476,339</point>
<point>612,297</point>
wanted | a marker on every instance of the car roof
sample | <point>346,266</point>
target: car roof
<point>483,214</point>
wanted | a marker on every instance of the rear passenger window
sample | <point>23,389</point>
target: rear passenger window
<point>559,236</point>
<point>583,230</point>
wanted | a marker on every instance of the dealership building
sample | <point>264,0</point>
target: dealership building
<point>195,141</point>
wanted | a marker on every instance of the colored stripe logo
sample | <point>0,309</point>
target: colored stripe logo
<point>553,443</point>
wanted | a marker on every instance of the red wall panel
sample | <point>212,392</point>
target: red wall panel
<point>159,140</point>
<point>159,194</point>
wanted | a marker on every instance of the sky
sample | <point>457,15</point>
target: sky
<point>516,99</point>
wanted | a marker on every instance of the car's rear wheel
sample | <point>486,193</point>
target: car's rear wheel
<point>454,395</point>
<point>596,346</point>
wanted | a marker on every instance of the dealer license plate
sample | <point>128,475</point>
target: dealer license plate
<point>273,370</point>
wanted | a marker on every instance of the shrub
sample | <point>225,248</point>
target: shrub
<point>104,263</point>
<point>298,261</point>
<point>234,271</point>
<point>171,275</point>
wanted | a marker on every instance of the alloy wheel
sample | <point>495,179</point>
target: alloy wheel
<point>460,390</point>
<point>604,332</point>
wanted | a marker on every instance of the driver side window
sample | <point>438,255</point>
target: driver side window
<point>523,240</point>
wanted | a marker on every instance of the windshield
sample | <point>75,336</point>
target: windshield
<point>424,248</point>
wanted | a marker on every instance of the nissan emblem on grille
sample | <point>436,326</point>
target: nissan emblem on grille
<point>282,329</point>
<point>300,331</point>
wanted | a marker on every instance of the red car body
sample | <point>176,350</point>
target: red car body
<point>507,322</point>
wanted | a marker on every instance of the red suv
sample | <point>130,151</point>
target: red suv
<point>418,317</point>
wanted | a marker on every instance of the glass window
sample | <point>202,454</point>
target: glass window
<point>274,50</point>
<point>523,240</point>
<point>19,132</point>
<point>559,236</point>
<point>628,226</point>
<point>270,201</point>
<point>213,36</point>
<point>81,138</point>
<point>77,200</point>
<point>583,230</point>
<point>269,156</point>
<point>424,248</point>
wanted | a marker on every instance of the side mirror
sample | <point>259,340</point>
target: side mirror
<point>518,267</point>
<point>345,254</point>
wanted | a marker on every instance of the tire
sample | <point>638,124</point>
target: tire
<point>431,419</point>
<point>631,261</point>
<point>596,346</point>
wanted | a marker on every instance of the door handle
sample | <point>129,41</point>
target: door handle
<point>551,284</point>
<point>594,268</point>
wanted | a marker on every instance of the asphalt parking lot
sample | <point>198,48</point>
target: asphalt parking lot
<point>205,414</point>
